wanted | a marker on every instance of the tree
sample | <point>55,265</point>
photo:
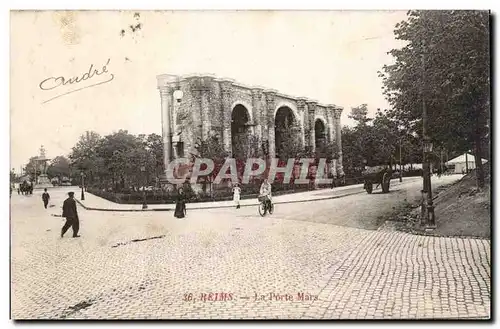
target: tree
<point>59,167</point>
<point>378,141</point>
<point>352,154</point>
<point>327,150</point>
<point>151,155</point>
<point>246,146</point>
<point>211,148</point>
<point>32,168</point>
<point>123,155</point>
<point>360,144</point>
<point>154,145</point>
<point>84,156</point>
<point>386,135</point>
<point>288,145</point>
<point>360,114</point>
<point>446,63</point>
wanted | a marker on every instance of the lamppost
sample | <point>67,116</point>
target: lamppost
<point>400,128</point>
<point>144,202</point>
<point>82,174</point>
<point>427,207</point>
<point>467,161</point>
<point>441,160</point>
<point>400,163</point>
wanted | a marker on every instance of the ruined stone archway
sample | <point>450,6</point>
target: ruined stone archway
<point>210,101</point>
<point>240,131</point>
<point>320,136</point>
<point>286,133</point>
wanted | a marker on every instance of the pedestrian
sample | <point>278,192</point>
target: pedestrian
<point>45,198</point>
<point>236,195</point>
<point>180,204</point>
<point>265,191</point>
<point>71,215</point>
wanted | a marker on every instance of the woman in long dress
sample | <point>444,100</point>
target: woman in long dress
<point>236,195</point>
<point>180,204</point>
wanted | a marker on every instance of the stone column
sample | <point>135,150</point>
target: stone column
<point>332,137</point>
<point>311,112</point>
<point>196,88</point>
<point>206,118</point>
<point>296,131</point>
<point>257,112</point>
<point>331,122</point>
<point>302,109</point>
<point>270,104</point>
<point>226,95</point>
<point>338,130</point>
<point>166,122</point>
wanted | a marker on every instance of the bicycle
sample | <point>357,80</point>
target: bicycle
<point>265,206</point>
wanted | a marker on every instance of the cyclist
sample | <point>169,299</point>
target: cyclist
<point>265,191</point>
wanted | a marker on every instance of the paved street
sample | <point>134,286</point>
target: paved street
<point>310,260</point>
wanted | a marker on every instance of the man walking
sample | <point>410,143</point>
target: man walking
<point>71,215</point>
<point>45,198</point>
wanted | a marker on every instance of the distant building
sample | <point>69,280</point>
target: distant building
<point>459,164</point>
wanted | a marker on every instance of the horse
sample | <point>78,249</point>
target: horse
<point>26,188</point>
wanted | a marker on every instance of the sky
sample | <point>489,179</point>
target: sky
<point>330,56</point>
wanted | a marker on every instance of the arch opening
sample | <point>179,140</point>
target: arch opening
<point>320,137</point>
<point>287,134</point>
<point>240,131</point>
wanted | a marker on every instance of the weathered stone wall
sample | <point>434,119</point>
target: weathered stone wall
<point>189,126</point>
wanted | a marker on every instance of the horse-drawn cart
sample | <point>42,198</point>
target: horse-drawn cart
<point>380,175</point>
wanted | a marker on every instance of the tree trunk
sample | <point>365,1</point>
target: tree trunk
<point>479,163</point>
<point>479,126</point>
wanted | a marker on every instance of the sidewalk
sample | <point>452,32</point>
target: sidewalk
<point>93,202</point>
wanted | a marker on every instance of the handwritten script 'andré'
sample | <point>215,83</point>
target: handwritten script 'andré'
<point>59,82</point>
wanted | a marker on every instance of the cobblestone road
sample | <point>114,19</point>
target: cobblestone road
<point>299,263</point>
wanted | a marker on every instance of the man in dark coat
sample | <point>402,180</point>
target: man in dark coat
<point>180,204</point>
<point>45,198</point>
<point>71,215</point>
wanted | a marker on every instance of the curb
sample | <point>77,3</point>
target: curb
<point>216,207</point>
<point>219,207</point>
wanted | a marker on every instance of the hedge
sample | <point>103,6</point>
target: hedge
<point>250,191</point>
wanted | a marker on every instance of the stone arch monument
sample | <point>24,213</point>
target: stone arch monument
<point>209,104</point>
